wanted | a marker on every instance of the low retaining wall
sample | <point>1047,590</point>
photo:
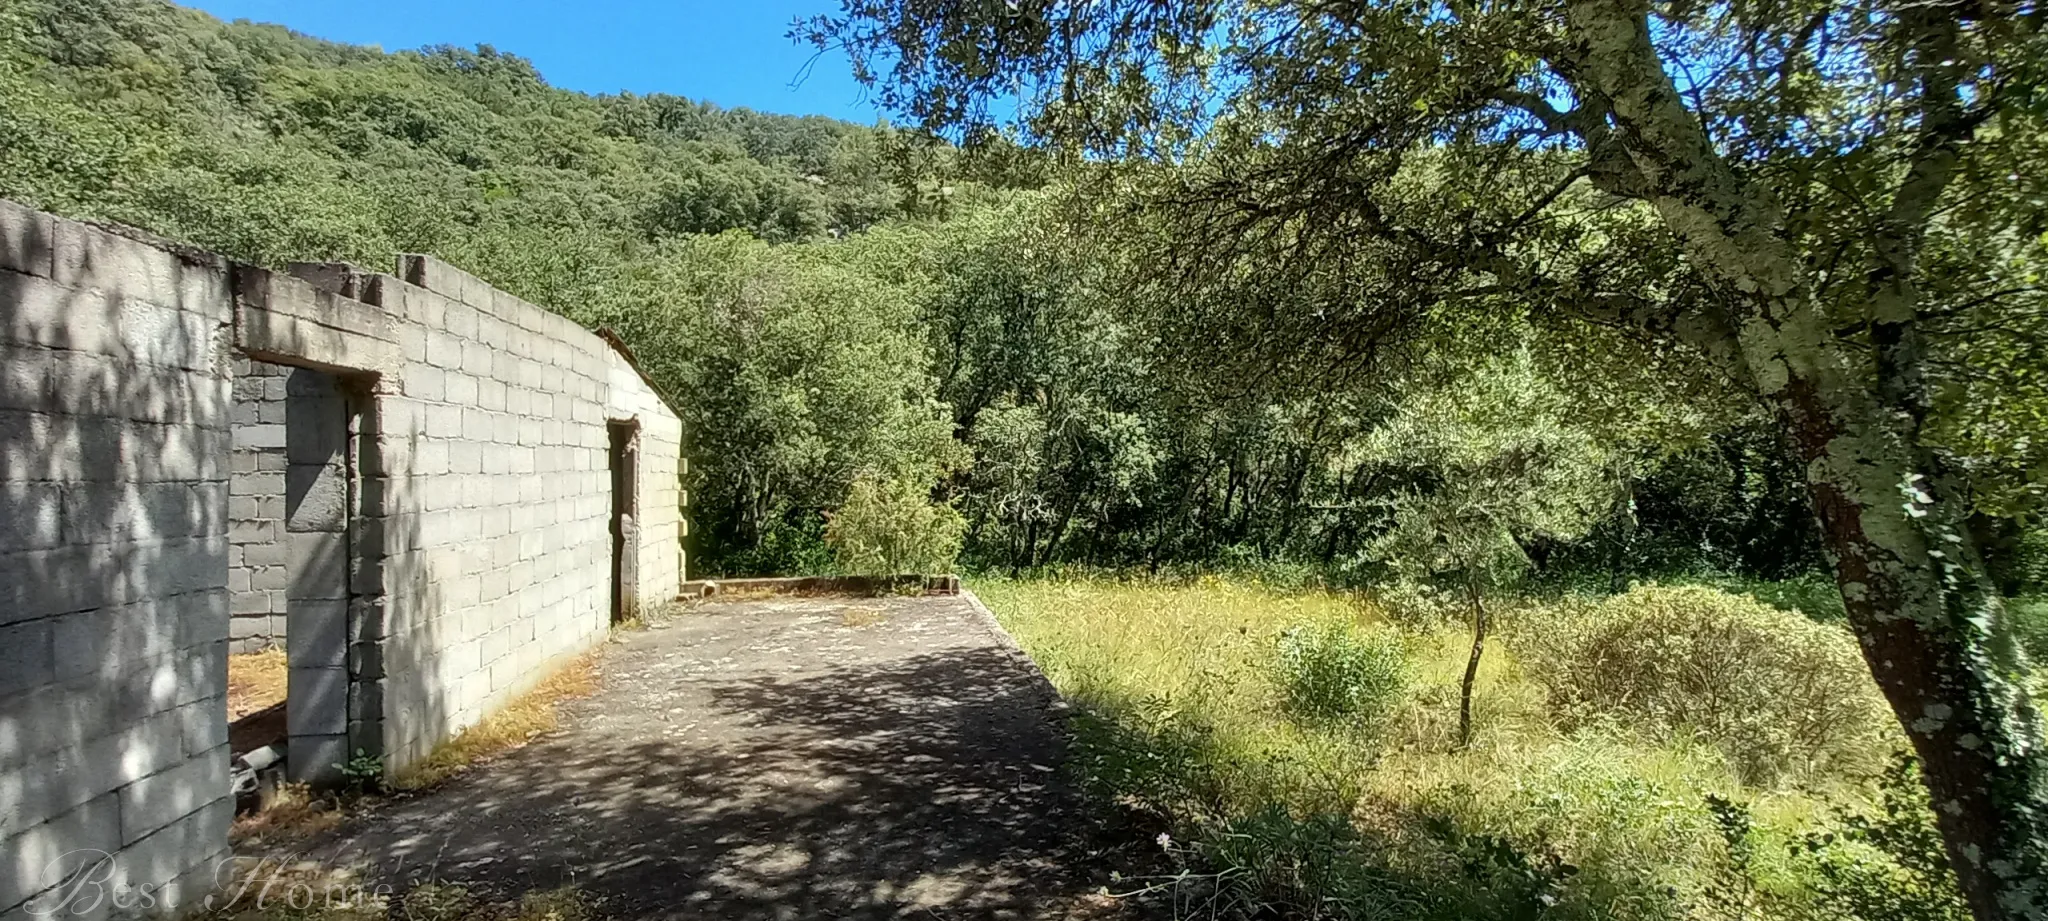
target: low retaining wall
<point>825,585</point>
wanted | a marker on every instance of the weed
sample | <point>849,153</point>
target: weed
<point>289,812</point>
<point>363,773</point>
<point>1331,674</point>
<point>1184,721</point>
<point>1783,697</point>
<point>857,618</point>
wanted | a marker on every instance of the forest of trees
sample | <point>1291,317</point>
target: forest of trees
<point>822,298</point>
<point>1334,293</point>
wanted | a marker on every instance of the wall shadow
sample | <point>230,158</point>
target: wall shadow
<point>114,438</point>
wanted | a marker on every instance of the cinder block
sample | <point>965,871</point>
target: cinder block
<point>27,657</point>
<point>478,425</point>
<point>25,378</point>
<point>203,724</point>
<point>168,681</point>
<point>319,634</point>
<point>424,382</point>
<point>461,388</point>
<point>27,855</point>
<point>271,580</point>
<point>147,746</point>
<point>39,311</point>
<point>31,516</point>
<point>319,699</point>
<point>443,420</point>
<point>465,457</point>
<point>266,547</point>
<point>424,307</point>
<point>27,244</point>
<point>133,266</point>
<point>444,350</point>
<point>317,759</point>
<point>476,357</point>
<point>259,437</point>
<point>160,799</point>
<point>316,431</point>
<point>189,893</point>
<point>316,498</point>
<point>318,564</point>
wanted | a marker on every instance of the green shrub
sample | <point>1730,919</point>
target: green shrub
<point>1782,697</point>
<point>1885,865</point>
<point>1419,606</point>
<point>1813,594</point>
<point>2027,568</point>
<point>1273,863</point>
<point>1330,673</point>
<point>2029,618</point>
<point>784,549</point>
<point>891,527</point>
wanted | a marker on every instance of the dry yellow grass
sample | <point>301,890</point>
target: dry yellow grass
<point>256,681</point>
<point>512,726</point>
<point>290,812</point>
<point>272,889</point>
<point>857,618</point>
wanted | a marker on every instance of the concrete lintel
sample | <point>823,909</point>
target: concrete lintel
<point>262,289</point>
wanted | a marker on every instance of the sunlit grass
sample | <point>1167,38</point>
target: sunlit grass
<point>256,680</point>
<point>1189,666</point>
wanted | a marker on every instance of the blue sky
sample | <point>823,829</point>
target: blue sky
<point>733,53</point>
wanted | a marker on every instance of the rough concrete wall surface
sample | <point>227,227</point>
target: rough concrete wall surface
<point>257,576</point>
<point>436,491</point>
<point>660,523</point>
<point>114,448</point>
<point>492,450</point>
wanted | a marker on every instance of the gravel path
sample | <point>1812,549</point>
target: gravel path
<point>784,758</point>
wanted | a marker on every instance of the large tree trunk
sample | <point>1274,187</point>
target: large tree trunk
<point>1926,614</point>
<point>1894,527</point>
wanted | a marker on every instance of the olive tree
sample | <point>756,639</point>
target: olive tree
<point>1813,198</point>
<point>1496,467</point>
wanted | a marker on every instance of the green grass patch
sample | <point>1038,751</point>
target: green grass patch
<point>1228,716</point>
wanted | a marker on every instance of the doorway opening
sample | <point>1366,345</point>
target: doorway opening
<point>625,454</point>
<point>293,509</point>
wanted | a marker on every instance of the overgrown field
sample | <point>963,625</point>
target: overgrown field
<point>1670,752</point>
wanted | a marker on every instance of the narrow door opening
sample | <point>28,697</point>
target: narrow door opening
<point>293,503</point>
<point>625,447</point>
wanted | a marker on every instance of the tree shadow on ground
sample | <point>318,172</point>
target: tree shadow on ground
<point>921,784</point>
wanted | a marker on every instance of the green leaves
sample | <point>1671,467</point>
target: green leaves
<point>1496,466</point>
<point>891,527</point>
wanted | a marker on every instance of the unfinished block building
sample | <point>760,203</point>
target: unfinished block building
<point>426,490</point>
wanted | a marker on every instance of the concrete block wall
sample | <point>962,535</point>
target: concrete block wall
<point>445,527</point>
<point>661,523</point>
<point>491,460</point>
<point>257,575</point>
<point>115,361</point>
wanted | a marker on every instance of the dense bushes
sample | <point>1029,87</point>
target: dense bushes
<point>1783,697</point>
<point>891,527</point>
<point>1331,673</point>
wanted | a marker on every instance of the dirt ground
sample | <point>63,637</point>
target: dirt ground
<point>256,686</point>
<point>776,758</point>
